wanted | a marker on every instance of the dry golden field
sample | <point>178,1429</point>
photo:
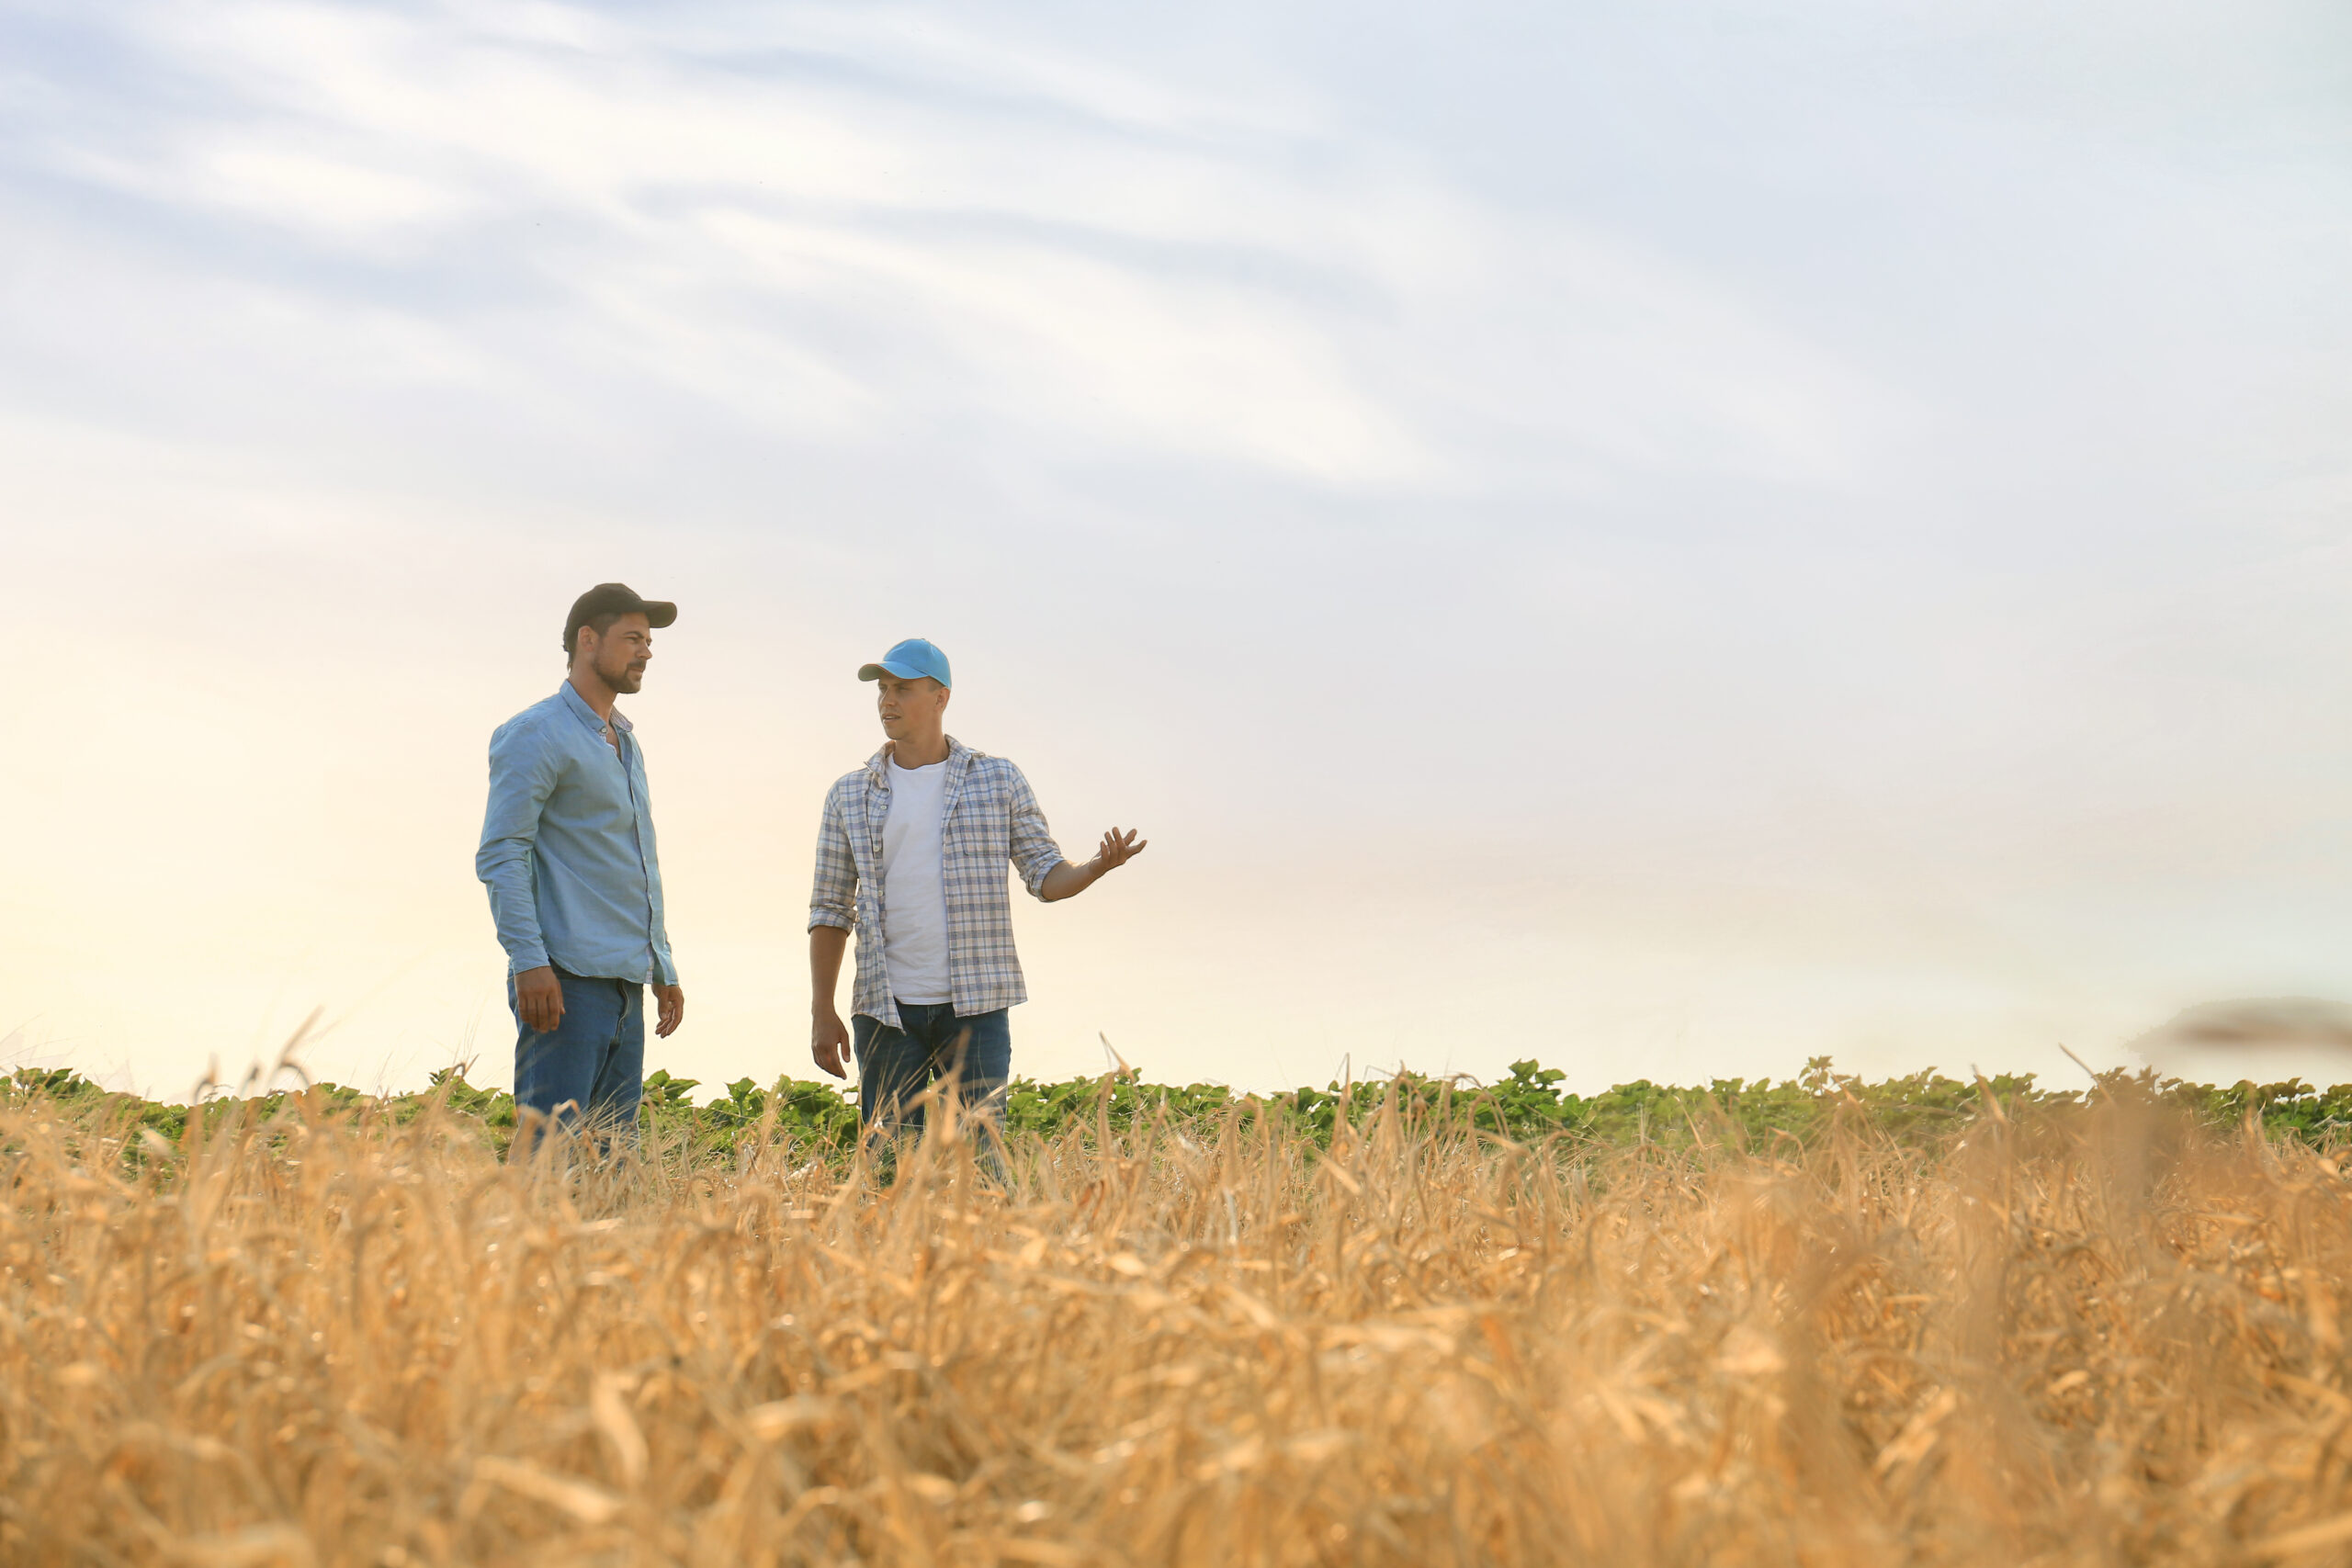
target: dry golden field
<point>2095,1338</point>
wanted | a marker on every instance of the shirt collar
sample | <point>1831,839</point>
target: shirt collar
<point>587,715</point>
<point>878,766</point>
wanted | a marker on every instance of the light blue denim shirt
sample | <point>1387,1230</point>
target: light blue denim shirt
<point>566,846</point>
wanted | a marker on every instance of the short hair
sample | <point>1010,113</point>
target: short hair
<point>599,624</point>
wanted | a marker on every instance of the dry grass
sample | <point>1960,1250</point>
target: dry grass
<point>2095,1341</point>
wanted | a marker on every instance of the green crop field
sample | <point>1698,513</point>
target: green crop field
<point>1528,1105</point>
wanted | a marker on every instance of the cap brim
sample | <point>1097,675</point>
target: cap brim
<point>659,612</point>
<point>875,671</point>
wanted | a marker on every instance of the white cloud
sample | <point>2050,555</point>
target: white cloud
<point>306,189</point>
<point>1206,292</point>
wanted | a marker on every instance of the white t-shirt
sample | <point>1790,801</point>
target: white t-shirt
<point>914,903</point>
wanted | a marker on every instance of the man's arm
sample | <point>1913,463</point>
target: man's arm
<point>828,1035</point>
<point>668,996</point>
<point>522,776</point>
<point>1068,881</point>
<point>1039,859</point>
<point>832,911</point>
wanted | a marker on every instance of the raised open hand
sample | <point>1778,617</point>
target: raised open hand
<point>1118,849</point>
<point>1068,881</point>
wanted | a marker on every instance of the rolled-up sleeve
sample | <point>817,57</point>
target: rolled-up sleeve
<point>832,901</point>
<point>1033,852</point>
<point>522,775</point>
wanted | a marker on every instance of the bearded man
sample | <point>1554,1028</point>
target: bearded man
<point>575,883</point>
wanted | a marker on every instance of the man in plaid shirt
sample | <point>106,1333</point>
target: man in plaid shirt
<point>912,855</point>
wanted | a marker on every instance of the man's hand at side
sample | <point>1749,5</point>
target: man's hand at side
<point>829,1041</point>
<point>672,1010</point>
<point>828,1037</point>
<point>538,997</point>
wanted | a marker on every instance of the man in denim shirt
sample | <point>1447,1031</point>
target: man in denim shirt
<point>912,855</point>
<point>575,881</point>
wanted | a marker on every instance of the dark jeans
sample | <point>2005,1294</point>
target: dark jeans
<point>895,1066</point>
<point>590,1069</point>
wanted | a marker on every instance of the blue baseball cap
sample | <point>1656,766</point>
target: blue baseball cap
<point>910,659</point>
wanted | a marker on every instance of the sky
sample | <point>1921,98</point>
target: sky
<point>1666,540</point>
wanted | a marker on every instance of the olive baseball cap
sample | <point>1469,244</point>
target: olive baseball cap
<point>614,599</point>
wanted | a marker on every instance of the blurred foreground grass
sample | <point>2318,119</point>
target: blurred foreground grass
<point>1813,1323</point>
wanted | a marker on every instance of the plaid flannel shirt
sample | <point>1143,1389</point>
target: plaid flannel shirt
<point>991,818</point>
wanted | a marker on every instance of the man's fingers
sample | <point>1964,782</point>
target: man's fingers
<point>829,1046</point>
<point>538,1000</point>
<point>541,1011</point>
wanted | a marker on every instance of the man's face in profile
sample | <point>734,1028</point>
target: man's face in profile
<point>618,657</point>
<point>904,704</point>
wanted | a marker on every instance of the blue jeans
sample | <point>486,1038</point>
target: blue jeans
<point>590,1069</point>
<point>895,1066</point>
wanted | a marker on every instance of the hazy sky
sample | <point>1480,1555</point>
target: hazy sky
<point>1664,539</point>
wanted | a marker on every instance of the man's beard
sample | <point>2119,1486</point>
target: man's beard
<point>622,678</point>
